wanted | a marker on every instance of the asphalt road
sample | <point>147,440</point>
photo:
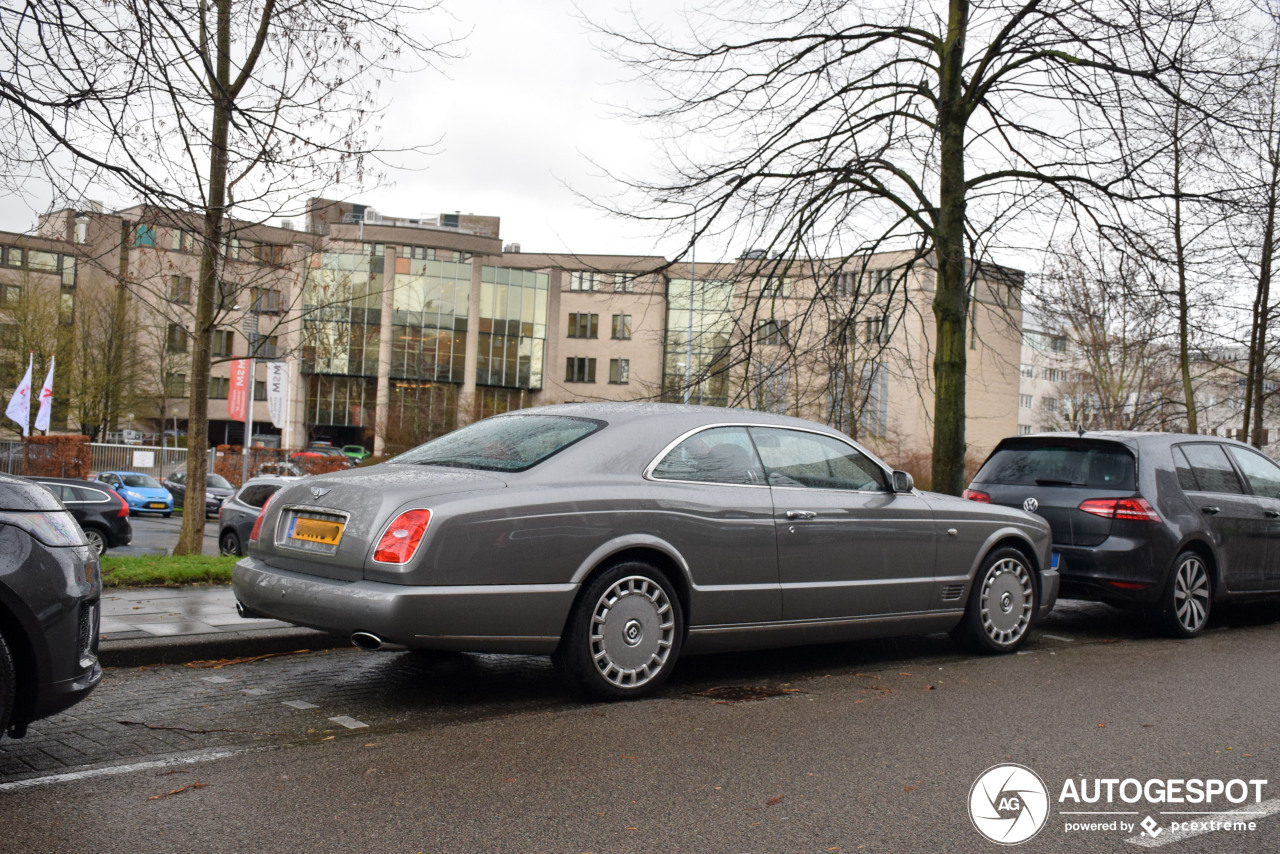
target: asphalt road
<point>856,747</point>
<point>153,534</point>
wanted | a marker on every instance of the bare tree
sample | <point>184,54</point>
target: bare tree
<point>222,107</point>
<point>828,128</point>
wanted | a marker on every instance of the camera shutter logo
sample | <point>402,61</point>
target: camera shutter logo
<point>1009,804</point>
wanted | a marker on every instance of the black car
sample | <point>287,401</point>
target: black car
<point>217,490</point>
<point>50,587</point>
<point>103,515</point>
<point>238,513</point>
<point>1168,522</point>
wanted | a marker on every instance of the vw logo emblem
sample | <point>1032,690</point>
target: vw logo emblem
<point>1030,505</point>
<point>317,493</point>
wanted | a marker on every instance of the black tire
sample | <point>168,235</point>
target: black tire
<point>1183,611</point>
<point>166,515</point>
<point>641,629</point>
<point>1001,605</point>
<point>229,544</point>
<point>8,686</point>
<point>97,541</point>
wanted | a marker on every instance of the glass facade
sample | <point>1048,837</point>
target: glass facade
<point>429,320</point>
<point>699,314</point>
<point>343,304</point>
<point>513,328</point>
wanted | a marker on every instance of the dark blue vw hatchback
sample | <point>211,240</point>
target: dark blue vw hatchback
<point>1168,522</point>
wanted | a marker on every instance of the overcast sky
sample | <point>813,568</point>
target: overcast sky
<point>519,119</point>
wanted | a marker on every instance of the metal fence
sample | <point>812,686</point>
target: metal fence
<point>11,457</point>
<point>148,459</point>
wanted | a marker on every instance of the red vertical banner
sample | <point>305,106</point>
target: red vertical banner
<point>236,400</point>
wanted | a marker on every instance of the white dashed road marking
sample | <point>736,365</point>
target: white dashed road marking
<point>348,722</point>
<point>1244,814</point>
<point>115,770</point>
<point>299,704</point>
<point>215,678</point>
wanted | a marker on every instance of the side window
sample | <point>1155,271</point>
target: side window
<point>796,458</point>
<point>59,491</point>
<point>1212,469</point>
<point>256,496</point>
<point>84,493</point>
<point>1186,477</point>
<point>718,455</point>
<point>1262,474</point>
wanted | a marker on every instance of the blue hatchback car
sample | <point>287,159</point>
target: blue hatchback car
<point>141,491</point>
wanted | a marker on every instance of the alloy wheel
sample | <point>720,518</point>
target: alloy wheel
<point>1191,594</point>
<point>1006,600</point>
<point>632,631</point>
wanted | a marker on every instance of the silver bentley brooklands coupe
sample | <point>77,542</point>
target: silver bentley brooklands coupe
<point>614,537</point>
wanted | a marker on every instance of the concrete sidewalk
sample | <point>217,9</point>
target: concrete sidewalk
<point>161,625</point>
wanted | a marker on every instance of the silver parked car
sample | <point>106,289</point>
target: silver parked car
<point>617,536</point>
<point>238,514</point>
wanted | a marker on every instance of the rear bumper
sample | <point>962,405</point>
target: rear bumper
<point>513,618</point>
<point>1120,569</point>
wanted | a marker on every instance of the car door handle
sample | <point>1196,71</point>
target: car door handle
<point>1211,511</point>
<point>801,514</point>
<point>1273,514</point>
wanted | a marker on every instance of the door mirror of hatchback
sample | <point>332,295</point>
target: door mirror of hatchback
<point>903,482</point>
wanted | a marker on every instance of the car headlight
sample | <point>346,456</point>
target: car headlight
<point>129,493</point>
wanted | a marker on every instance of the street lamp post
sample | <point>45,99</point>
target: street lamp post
<point>250,328</point>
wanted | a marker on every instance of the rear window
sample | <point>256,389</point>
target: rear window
<point>1093,466</point>
<point>506,443</point>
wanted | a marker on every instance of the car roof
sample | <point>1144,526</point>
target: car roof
<point>638,413</point>
<point>1133,438</point>
<point>70,481</point>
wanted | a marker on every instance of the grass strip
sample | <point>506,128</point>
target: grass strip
<point>165,570</point>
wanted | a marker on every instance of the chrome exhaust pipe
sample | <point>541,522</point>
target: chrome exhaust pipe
<point>247,614</point>
<point>371,642</point>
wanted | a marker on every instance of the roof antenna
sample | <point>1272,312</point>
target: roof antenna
<point>1079,429</point>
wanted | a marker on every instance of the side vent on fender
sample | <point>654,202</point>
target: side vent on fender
<point>952,592</point>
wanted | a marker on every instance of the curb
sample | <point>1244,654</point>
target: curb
<point>146,652</point>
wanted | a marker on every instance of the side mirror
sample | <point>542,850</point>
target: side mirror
<point>903,482</point>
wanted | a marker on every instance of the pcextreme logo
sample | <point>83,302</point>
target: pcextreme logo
<point>1009,804</point>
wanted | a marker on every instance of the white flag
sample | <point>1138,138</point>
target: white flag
<point>46,400</point>
<point>278,392</point>
<point>20,404</point>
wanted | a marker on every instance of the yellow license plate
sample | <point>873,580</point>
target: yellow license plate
<point>316,531</point>
<point>156,505</point>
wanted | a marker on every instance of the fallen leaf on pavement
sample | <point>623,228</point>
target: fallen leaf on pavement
<point>773,802</point>
<point>179,791</point>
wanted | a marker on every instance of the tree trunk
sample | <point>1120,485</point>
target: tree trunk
<point>1180,264</point>
<point>191,537</point>
<point>951,298</point>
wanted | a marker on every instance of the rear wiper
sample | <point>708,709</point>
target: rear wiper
<point>1053,481</point>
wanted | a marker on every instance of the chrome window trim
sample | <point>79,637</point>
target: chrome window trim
<point>888,473</point>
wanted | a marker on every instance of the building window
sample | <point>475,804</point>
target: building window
<point>219,388</point>
<point>1055,375</point>
<point>259,389</point>
<point>775,286</point>
<point>622,326</point>
<point>268,347</point>
<point>144,235</point>
<point>1024,401</point>
<point>176,340</point>
<point>582,325</point>
<point>581,280</point>
<point>180,289</point>
<point>46,261</point>
<point>10,295</point>
<point>619,371</point>
<point>175,385</point>
<point>772,333</point>
<point>226,295</point>
<point>266,300</point>
<point>579,370</point>
<point>222,342</point>
<point>13,256</point>
<point>1049,404</point>
<point>874,331</point>
<point>1024,429</point>
<point>1028,372</point>
<point>269,253</point>
<point>624,283</point>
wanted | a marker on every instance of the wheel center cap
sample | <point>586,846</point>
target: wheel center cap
<point>1006,602</point>
<point>632,632</point>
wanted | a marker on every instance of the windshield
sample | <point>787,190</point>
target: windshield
<point>1097,466</point>
<point>141,481</point>
<point>217,481</point>
<point>505,443</point>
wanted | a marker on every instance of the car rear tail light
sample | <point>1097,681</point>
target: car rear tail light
<point>1130,509</point>
<point>123,512</point>
<point>402,537</point>
<point>975,495</point>
<point>257,523</point>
